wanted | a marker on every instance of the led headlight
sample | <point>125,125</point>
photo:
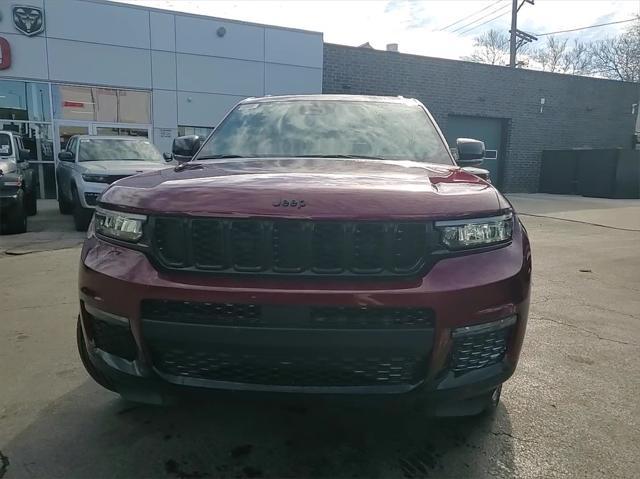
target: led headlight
<point>461,234</point>
<point>96,178</point>
<point>122,226</point>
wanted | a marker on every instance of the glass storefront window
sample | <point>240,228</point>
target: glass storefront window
<point>24,101</point>
<point>106,105</point>
<point>115,131</point>
<point>134,106</point>
<point>194,130</point>
<point>71,102</point>
<point>37,138</point>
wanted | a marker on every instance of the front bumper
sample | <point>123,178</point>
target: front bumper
<point>89,193</point>
<point>8,200</point>
<point>461,291</point>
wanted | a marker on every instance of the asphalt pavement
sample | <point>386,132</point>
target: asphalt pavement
<point>571,410</point>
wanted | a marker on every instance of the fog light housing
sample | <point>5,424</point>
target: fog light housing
<point>481,345</point>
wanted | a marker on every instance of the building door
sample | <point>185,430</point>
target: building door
<point>488,130</point>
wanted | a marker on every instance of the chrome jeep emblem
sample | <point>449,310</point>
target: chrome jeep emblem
<point>289,204</point>
<point>28,19</point>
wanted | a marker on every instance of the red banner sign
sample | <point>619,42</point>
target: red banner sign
<point>5,54</point>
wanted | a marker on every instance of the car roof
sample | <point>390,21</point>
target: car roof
<point>330,97</point>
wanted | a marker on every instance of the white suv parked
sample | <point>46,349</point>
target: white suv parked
<point>89,164</point>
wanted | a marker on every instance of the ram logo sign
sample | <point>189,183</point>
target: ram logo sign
<point>28,19</point>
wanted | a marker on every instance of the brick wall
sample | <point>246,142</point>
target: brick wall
<point>578,111</point>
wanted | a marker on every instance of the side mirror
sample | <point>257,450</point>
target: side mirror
<point>168,157</point>
<point>23,155</point>
<point>65,156</point>
<point>184,147</point>
<point>470,152</point>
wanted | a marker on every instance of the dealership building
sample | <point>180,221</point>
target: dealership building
<point>98,67</point>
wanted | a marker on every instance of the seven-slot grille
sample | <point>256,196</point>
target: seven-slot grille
<point>290,247</point>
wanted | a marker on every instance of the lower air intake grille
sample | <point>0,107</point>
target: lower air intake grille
<point>479,350</point>
<point>275,316</point>
<point>304,370</point>
<point>113,338</point>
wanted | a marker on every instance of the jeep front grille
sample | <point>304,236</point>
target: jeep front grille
<point>289,247</point>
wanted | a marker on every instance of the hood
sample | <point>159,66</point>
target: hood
<point>328,188</point>
<point>119,167</point>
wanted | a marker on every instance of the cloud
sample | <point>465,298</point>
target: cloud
<point>415,25</point>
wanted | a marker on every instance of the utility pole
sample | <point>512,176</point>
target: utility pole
<point>514,27</point>
<point>517,34</point>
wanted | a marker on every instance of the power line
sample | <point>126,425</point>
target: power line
<point>470,15</point>
<point>584,28</point>
<point>484,23</point>
<point>478,19</point>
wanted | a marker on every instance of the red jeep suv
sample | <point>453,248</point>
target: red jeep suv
<point>311,244</point>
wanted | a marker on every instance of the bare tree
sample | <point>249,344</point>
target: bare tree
<point>619,58</point>
<point>560,56</point>
<point>551,57</point>
<point>491,47</point>
<point>578,59</point>
<point>616,58</point>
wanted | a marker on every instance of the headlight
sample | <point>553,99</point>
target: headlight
<point>122,226</point>
<point>96,178</point>
<point>463,234</point>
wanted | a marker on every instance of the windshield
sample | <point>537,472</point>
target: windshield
<point>390,131</point>
<point>113,149</point>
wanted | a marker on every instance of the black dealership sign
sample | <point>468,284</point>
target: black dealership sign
<point>28,19</point>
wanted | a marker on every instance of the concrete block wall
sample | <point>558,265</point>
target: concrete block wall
<point>579,112</point>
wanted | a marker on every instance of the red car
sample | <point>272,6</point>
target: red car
<point>311,244</point>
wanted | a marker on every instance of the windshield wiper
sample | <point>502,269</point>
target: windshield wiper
<point>219,157</point>
<point>356,157</point>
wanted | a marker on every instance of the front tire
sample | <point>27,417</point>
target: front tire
<point>95,374</point>
<point>16,218</point>
<point>32,203</point>
<point>64,206</point>
<point>81,216</point>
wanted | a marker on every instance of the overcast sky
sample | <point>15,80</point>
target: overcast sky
<point>416,25</point>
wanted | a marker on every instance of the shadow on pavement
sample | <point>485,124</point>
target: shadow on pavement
<point>90,432</point>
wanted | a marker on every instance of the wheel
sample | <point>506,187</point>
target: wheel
<point>31,203</point>
<point>95,374</point>
<point>64,206</point>
<point>15,221</point>
<point>81,216</point>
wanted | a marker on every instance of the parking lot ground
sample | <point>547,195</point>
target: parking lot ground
<point>571,410</point>
<point>46,231</point>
